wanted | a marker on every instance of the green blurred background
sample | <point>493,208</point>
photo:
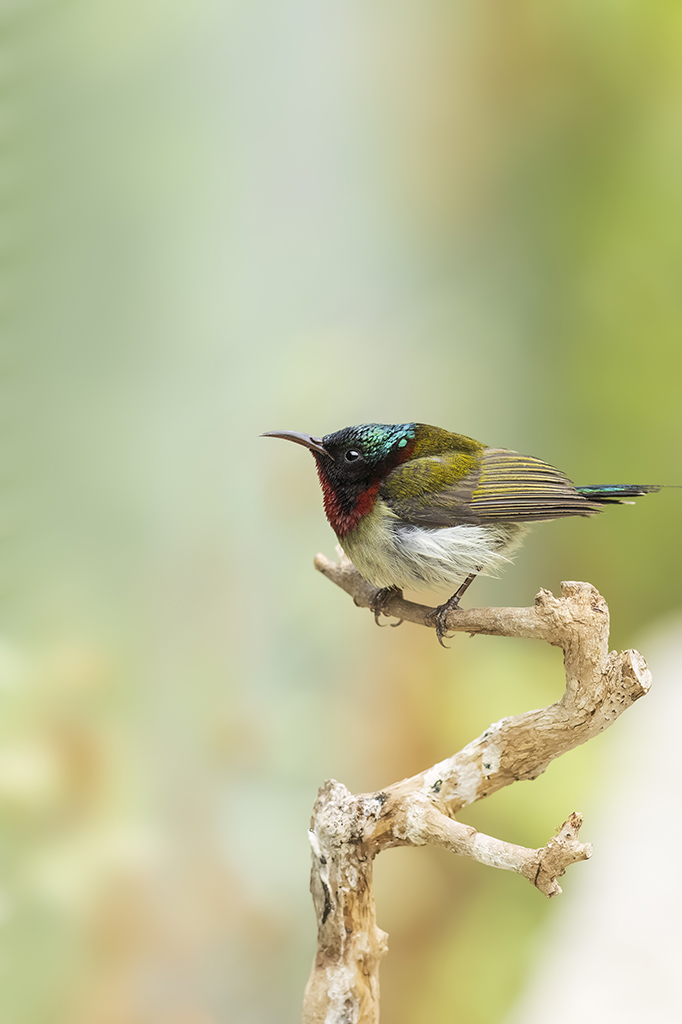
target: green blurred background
<point>221,218</point>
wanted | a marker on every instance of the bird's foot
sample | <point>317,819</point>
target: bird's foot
<point>439,617</point>
<point>380,601</point>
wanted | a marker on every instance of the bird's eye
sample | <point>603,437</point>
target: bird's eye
<point>352,455</point>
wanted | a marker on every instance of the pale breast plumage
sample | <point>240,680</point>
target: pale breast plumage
<point>392,553</point>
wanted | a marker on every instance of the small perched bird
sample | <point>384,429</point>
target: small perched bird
<point>417,506</point>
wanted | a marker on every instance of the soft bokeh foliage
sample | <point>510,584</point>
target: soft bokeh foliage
<point>226,218</point>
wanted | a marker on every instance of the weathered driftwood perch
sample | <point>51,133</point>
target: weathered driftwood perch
<point>348,831</point>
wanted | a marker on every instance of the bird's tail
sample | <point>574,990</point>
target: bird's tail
<point>616,494</point>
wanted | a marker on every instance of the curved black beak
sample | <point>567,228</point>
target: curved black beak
<point>314,443</point>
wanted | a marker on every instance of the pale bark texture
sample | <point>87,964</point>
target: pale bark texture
<point>348,831</point>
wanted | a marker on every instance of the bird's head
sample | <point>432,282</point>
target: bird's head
<point>351,465</point>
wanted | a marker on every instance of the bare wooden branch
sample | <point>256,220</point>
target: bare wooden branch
<point>348,831</point>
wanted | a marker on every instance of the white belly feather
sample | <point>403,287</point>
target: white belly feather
<point>390,553</point>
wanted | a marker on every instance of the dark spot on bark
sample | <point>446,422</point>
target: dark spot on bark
<point>323,859</point>
<point>436,787</point>
<point>327,903</point>
<point>381,798</point>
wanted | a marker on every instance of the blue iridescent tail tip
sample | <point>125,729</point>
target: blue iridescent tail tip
<point>615,493</point>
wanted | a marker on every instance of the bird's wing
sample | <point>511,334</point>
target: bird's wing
<point>499,486</point>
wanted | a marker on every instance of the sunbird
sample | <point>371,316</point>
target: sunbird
<point>417,506</point>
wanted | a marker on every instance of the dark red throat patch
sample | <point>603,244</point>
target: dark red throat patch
<point>344,511</point>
